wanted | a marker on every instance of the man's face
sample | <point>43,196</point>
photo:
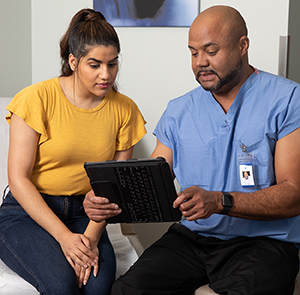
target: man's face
<point>216,59</point>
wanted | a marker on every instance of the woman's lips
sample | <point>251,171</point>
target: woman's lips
<point>103,85</point>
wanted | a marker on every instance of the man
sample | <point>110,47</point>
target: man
<point>239,239</point>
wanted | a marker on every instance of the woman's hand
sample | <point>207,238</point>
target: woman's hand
<point>82,273</point>
<point>77,250</point>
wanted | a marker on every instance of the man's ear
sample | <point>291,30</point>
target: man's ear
<point>72,62</point>
<point>244,44</point>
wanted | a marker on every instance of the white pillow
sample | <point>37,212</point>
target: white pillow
<point>126,255</point>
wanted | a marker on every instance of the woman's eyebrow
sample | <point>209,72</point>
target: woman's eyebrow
<point>99,61</point>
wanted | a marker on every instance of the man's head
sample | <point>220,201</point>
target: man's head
<point>219,44</point>
<point>246,174</point>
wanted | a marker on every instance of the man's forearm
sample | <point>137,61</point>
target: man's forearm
<point>272,203</point>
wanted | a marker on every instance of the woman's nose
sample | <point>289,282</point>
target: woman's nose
<point>104,72</point>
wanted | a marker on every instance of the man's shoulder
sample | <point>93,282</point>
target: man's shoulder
<point>187,97</point>
<point>268,77</point>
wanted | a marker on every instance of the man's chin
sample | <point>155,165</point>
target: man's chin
<point>210,88</point>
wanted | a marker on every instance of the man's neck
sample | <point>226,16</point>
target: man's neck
<point>226,97</point>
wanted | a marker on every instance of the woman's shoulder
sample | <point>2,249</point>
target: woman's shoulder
<point>40,88</point>
<point>37,96</point>
<point>116,97</point>
<point>46,85</point>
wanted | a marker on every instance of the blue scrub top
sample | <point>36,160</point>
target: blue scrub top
<point>206,144</point>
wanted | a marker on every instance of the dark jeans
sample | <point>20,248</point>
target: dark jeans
<point>37,257</point>
<point>182,261</point>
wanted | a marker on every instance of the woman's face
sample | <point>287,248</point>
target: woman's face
<point>97,71</point>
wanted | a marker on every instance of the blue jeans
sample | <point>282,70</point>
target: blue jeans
<point>37,257</point>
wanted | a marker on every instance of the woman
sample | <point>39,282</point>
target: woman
<point>56,126</point>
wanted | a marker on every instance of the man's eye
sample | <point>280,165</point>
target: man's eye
<point>211,52</point>
<point>112,65</point>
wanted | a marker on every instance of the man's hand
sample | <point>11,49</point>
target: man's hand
<point>197,203</point>
<point>99,208</point>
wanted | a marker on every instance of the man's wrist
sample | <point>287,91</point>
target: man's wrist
<point>227,202</point>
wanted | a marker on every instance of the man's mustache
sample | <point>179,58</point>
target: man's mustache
<point>202,71</point>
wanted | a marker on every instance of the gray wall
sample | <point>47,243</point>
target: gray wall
<point>294,53</point>
<point>15,41</point>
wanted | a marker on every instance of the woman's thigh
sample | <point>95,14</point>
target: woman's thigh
<point>36,256</point>
<point>32,252</point>
<point>107,261</point>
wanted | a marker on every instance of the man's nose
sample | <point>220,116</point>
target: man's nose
<point>201,60</point>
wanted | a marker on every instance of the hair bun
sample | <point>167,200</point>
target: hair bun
<point>94,15</point>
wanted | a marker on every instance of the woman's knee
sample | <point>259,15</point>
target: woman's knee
<point>99,285</point>
<point>60,283</point>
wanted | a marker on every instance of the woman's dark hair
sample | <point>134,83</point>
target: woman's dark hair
<point>87,28</point>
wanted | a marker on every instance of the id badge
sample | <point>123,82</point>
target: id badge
<point>246,170</point>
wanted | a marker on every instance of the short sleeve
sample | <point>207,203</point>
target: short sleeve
<point>164,130</point>
<point>132,128</point>
<point>30,105</point>
<point>288,119</point>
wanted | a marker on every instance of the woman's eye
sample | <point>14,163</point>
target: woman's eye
<point>94,66</point>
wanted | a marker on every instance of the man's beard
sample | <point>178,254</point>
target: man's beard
<point>223,81</point>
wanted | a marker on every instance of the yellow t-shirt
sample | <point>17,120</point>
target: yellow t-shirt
<point>70,136</point>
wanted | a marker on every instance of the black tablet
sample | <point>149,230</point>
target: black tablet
<point>142,188</point>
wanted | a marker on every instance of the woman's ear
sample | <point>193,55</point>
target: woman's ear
<point>72,62</point>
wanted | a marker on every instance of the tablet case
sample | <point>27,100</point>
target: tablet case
<point>142,188</point>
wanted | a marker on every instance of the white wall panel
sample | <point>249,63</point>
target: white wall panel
<point>266,21</point>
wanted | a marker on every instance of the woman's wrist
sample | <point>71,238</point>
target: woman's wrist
<point>94,232</point>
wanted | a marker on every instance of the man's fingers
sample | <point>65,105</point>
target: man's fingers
<point>181,198</point>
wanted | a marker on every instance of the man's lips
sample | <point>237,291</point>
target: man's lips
<point>206,75</point>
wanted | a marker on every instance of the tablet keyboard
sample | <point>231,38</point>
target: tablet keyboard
<point>138,182</point>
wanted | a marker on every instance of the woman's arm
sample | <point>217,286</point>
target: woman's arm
<point>94,230</point>
<point>21,158</point>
